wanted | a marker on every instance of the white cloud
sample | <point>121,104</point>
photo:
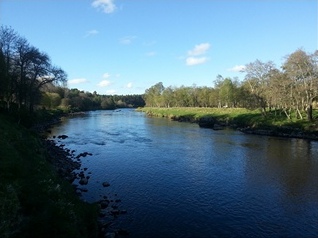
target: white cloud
<point>91,33</point>
<point>237,68</point>
<point>127,40</point>
<point>199,49</point>
<point>196,60</point>
<point>129,85</point>
<point>107,6</point>
<point>106,75</point>
<point>77,81</point>
<point>104,83</point>
<point>111,91</point>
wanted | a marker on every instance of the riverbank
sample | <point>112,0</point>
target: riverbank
<point>248,121</point>
<point>37,198</point>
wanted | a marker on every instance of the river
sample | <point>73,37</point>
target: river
<point>179,180</point>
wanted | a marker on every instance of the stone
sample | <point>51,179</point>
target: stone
<point>115,212</point>
<point>83,181</point>
<point>123,211</point>
<point>62,137</point>
<point>106,184</point>
<point>104,204</point>
<point>206,122</point>
<point>110,235</point>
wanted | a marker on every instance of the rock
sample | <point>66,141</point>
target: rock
<point>104,204</point>
<point>83,181</point>
<point>218,127</point>
<point>122,232</point>
<point>123,211</point>
<point>62,137</point>
<point>115,212</point>
<point>110,235</point>
<point>106,184</point>
<point>206,122</point>
<point>101,215</point>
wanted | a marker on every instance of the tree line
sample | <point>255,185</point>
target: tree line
<point>29,80</point>
<point>291,89</point>
<point>77,100</point>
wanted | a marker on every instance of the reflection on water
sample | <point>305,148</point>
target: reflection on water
<point>179,180</point>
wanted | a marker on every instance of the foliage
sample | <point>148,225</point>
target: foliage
<point>24,71</point>
<point>34,201</point>
<point>292,91</point>
<point>28,81</point>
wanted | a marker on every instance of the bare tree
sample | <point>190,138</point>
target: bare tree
<point>302,69</point>
<point>25,71</point>
<point>257,78</point>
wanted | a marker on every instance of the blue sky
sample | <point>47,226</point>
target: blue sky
<point>126,46</point>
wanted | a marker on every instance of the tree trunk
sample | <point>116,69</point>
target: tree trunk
<point>309,112</point>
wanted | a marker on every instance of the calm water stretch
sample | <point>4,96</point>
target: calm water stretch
<point>179,180</point>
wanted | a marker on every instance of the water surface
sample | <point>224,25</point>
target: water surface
<point>179,180</point>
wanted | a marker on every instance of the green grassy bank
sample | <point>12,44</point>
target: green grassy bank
<point>275,122</point>
<point>34,200</point>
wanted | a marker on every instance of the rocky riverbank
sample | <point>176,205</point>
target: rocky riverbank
<point>68,165</point>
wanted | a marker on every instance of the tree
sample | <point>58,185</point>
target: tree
<point>153,95</point>
<point>168,98</point>
<point>108,103</point>
<point>257,78</point>
<point>302,69</point>
<point>24,70</point>
<point>8,37</point>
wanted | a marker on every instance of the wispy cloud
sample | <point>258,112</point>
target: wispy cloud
<point>237,68</point>
<point>129,85</point>
<point>106,75</point>
<point>127,40</point>
<point>77,81</point>
<point>199,49</point>
<point>107,6</point>
<point>190,61</point>
<point>91,33</point>
<point>104,83</point>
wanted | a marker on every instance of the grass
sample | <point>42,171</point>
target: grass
<point>236,117</point>
<point>34,201</point>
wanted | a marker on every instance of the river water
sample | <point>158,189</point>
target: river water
<point>179,180</point>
